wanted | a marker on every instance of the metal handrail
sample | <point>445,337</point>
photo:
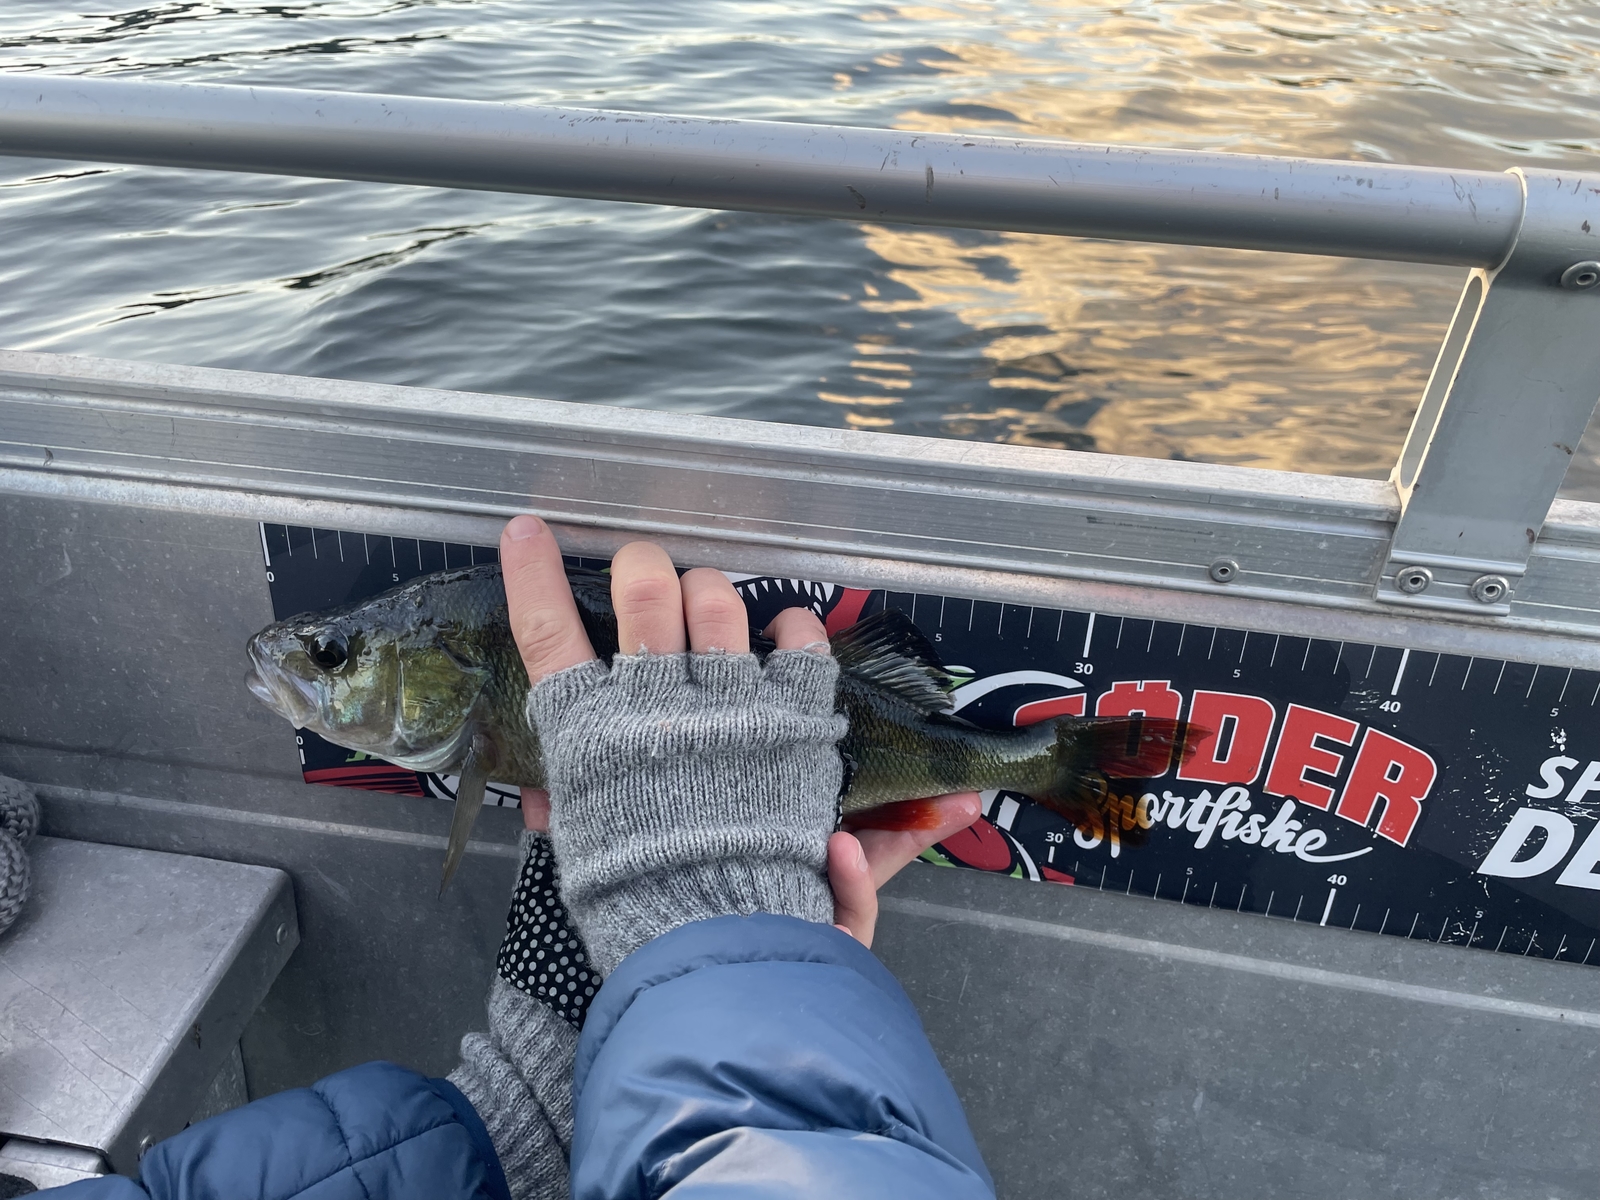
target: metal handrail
<point>1511,393</point>
<point>1253,202</point>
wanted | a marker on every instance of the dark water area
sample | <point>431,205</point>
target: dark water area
<point>1304,364</point>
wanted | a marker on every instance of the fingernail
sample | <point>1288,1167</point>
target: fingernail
<point>861,855</point>
<point>522,528</point>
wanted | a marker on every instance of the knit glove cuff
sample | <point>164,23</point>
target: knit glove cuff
<point>689,786</point>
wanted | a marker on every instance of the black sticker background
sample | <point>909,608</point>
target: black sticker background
<point>1488,724</point>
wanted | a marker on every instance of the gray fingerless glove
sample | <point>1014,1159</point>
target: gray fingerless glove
<point>689,786</point>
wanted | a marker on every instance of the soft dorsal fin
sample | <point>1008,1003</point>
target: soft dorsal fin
<point>887,651</point>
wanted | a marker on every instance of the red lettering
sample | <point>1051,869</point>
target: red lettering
<point>1298,753</point>
<point>1241,724</point>
<point>1044,710</point>
<point>1400,775</point>
<point>1149,698</point>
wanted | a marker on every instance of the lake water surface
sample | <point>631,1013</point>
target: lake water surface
<point>1305,364</point>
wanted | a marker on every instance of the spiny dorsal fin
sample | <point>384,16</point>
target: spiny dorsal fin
<point>887,651</point>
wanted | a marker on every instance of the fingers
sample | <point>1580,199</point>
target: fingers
<point>544,619</point>
<point>798,629</point>
<point>715,615</point>
<point>536,810</point>
<point>887,851</point>
<point>855,897</point>
<point>648,600</point>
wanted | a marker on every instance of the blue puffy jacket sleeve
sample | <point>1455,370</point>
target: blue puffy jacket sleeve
<point>374,1132</point>
<point>763,1057</point>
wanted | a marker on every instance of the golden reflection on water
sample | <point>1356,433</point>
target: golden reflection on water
<point>1290,362</point>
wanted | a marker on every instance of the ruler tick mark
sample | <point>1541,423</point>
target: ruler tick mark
<point>1561,947</point>
<point>1213,645</point>
<point>1130,884</point>
<point>1414,921</point>
<point>1185,897</point>
<point>1328,907</point>
<point>1088,636</point>
<point>1212,903</point>
<point>1502,940</point>
<point>1157,892</point>
<point>1306,657</point>
<point>1182,633</point>
<point>1025,636</point>
<point>1529,692</point>
<point>1371,658</point>
<point>1356,917</point>
<point>1297,906</point>
<point>1568,680</point>
<point>1151,640</point>
<point>1060,620</point>
<point>1405,656</point>
<point>941,612</point>
<point>1589,951</point>
<point>1270,895</point>
<point>366,549</point>
<point>1276,642</point>
<point>1121,624</point>
<point>1240,908</point>
<point>1468,674</point>
<point>1338,658</point>
<point>1243,644</point>
<point>1497,680</point>
<point>1385,924</point>
<point>1473,934</point>
<point>1437,659</point>
<point>1532,942</point>
<point>339,538</point>
<point>265,553</point>
<point>314,553</point>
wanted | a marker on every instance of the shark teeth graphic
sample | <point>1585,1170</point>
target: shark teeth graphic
<point>807,593</point>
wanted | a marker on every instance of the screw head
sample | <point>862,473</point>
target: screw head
<point>1491,589</point>
<point>1412,580</point>
<point>1581,276</point>
<point>1224,570</point>
<point>280,933</point>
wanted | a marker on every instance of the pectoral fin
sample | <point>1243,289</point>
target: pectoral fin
<point>481,759</point>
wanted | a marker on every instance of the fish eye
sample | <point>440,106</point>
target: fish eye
<point>328,650</point>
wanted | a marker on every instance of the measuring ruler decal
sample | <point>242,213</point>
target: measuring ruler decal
<point>1366,787</point>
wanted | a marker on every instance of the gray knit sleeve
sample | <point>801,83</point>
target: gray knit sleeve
<point>688,786</point>
<point>518,1075</point>
<point>519,1078</point>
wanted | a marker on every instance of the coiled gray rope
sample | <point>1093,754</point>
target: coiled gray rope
<point>19,821</point>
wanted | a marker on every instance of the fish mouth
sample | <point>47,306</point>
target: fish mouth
<point>292,698</point>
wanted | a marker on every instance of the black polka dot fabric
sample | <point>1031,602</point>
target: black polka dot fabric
<point>542,955</point>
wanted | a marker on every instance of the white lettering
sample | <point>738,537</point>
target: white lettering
<point>1580,871</point>
<point>1279,835</point>
<point>1232,799</point>
<point>1502,858</point>
<point>1550,769</point>
<point>1315,839</point>
<point>1588,782</point>
<point>1197,811</point>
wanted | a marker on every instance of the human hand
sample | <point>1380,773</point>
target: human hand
<point>859,863</point>
<point>688,780</point>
